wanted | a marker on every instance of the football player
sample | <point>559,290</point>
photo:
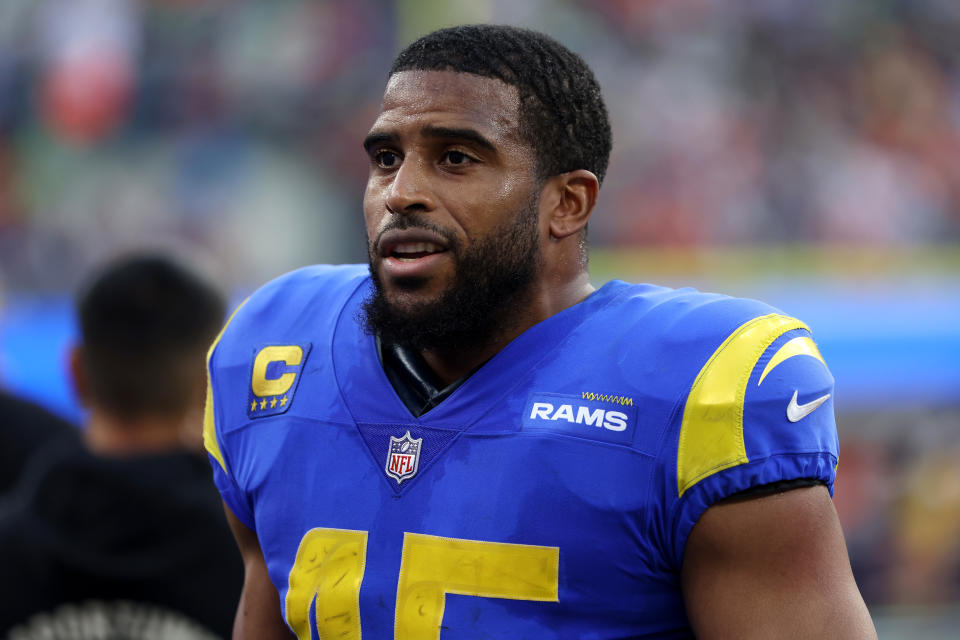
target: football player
<point>465,439</point>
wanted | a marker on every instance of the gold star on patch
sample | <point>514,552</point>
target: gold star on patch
<point>263,404</point>
<point>273,403</point>
<point>283,401</point>
<point>253,405</point>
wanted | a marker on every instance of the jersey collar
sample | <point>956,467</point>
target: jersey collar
<point>370,398</point>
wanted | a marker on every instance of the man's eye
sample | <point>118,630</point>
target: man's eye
<point>386,159</point>
<point>456,157</point>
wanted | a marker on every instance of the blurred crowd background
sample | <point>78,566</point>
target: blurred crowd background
<point>806,153</point>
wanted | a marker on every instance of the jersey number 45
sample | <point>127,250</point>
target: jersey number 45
<point>330,564</point>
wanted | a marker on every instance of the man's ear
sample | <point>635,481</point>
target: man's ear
<point>572,196</point>
<point>78,375</point>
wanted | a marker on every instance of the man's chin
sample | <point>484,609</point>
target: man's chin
<point>411,293</point>
<point>412,307</point>
<point>399,317</point>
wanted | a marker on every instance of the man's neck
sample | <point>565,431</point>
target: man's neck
<point>109,435</point>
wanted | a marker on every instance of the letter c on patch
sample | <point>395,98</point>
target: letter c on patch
<point>290,355</point>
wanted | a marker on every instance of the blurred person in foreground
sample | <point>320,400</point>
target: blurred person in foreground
<point>466,439</point>
<point>25,429</point>
<point>126,537</point>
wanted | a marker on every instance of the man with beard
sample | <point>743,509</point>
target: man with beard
<point>470,441</point>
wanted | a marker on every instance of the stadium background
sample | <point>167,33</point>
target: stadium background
<point>804,153</point>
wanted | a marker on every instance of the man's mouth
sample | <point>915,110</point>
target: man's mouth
<point>410,251</point>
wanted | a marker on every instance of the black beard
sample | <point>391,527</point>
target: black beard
<point>493,279</point>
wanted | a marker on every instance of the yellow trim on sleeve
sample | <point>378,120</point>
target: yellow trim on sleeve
<point>802,346</point>
<point>209,422</point>
<point>711,433</point>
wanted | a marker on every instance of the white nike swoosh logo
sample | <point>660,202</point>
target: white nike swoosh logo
<point>797,412</point>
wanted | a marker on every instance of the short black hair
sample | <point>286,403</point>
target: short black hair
<point>145,325</point>
<point>562,113</point>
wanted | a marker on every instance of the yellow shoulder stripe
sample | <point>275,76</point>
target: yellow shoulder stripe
<point>209,422</point>
<point>802,346</point>
<point>711,433</point>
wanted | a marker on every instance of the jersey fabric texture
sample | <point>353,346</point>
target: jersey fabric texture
<point>133,547</point>
<point>549,496</point>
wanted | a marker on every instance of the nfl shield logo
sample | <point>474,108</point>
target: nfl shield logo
<point>403,458</point>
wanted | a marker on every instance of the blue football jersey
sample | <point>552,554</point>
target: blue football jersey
<point>550,496</point>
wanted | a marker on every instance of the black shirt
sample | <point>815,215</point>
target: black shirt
<point>25,428</point>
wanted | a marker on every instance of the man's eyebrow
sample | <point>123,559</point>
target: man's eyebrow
<point>374,139</point>
<point>470,135</point>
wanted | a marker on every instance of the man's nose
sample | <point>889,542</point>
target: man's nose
<point>410,189</point>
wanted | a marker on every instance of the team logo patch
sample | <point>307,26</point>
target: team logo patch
<point>603,417</point>
<point>403,458</point>
<point>274,378</point>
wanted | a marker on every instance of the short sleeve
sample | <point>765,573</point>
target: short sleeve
<point>225,482</point>
<point>759,411</point>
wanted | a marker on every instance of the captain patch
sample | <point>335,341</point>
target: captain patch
<point>274,378</point>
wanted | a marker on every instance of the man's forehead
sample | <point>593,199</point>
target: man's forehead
<point>482,101</point>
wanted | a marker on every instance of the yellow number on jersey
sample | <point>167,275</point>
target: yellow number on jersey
<point>433,567</point>
<point>329,567</point>
<point>330,563</point>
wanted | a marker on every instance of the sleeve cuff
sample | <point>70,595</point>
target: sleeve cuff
<point>819,466</point>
